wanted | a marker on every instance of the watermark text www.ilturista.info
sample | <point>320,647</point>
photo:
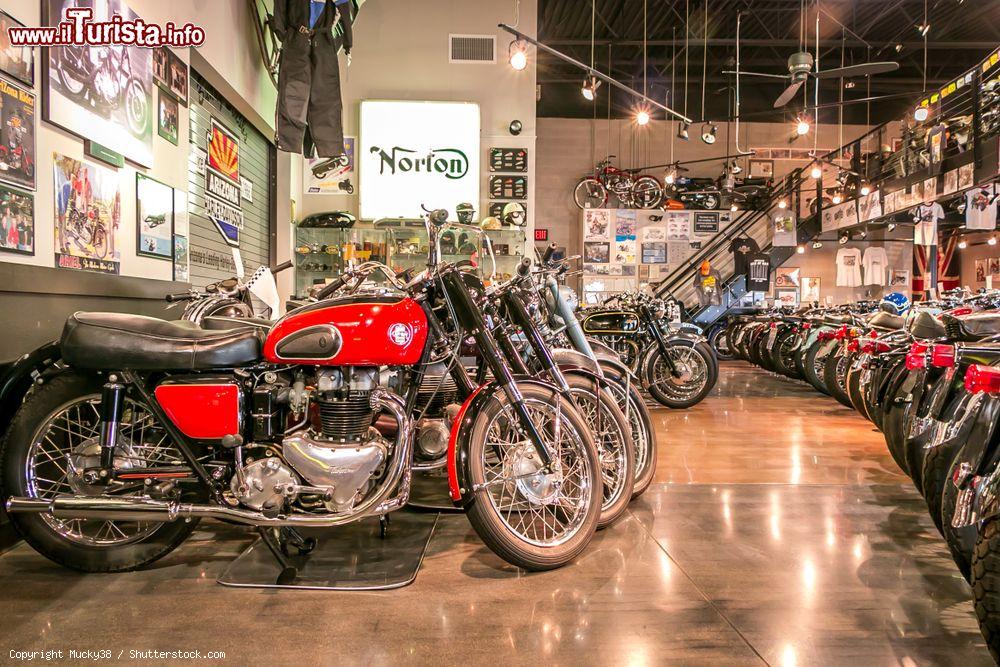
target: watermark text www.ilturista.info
<point>132,655</point>
<point>77,28</point>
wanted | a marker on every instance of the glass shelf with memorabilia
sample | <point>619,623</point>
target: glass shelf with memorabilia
<point>408,245</point>
<point>321,253</point>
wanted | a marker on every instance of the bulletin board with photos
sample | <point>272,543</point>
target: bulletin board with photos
<point>625,249</point>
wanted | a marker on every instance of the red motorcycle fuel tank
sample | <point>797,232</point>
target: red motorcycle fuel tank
<point>352,331</point>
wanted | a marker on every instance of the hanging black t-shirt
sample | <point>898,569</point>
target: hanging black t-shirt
<point>742,247</point>
<point>758,272</point>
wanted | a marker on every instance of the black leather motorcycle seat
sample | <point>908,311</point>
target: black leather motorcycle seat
<point>112,341</point>
<point>925,326</point>
<point>887,321</point>
<point>972,327</point>
<point>220,323</point>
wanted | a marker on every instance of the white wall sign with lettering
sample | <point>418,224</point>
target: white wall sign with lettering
<point>414,153</point>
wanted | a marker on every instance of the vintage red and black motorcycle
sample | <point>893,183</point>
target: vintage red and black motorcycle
<point>153,425</point>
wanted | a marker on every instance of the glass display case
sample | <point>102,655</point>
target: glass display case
<point>408,246</point>
<point>321,253</point>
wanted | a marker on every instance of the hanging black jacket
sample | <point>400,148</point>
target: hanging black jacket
<point>310,108</point>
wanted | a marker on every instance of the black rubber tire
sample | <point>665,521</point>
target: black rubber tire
<point>641,419</point>
<point>986,584</point>
<point>895,423</point>
<point>961,541</point>
<point>584,388</point>
<point>853,386</point>
<point>719,338</point>
<point>809,361</point>
<point>712,370</point>
<point>915,450</point>
<point>490,527</point>
<point>937,464</point>
<point>43,402</point>
<point>779,359</point>
<point>833,386</point>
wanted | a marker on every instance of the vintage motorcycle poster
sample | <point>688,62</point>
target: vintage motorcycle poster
<point>15,61</point>
<point>88,215</point>
<point>678,226</point>
<point>597,224</point>
<point>154,209</point>
<point>331,176</point>
<point>17,221</point>
<point>103,93</point>
<point>17,136</point>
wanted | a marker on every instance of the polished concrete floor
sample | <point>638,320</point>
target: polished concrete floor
<point>778,532</point>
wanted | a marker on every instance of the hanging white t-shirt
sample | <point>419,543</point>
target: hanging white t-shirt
<point>876,263</point>
<point>848,267</point>
<point>981,208</point>
<point>926,216</point>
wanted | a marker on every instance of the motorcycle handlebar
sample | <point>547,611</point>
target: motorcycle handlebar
<point>524,268</point>
<point>185,296</point>
<point>281,267</point>
<point>331,288</point>
<point>549,251</point>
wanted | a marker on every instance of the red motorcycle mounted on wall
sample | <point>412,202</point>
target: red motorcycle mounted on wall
<point>148,426</point>
<point>632,188</point>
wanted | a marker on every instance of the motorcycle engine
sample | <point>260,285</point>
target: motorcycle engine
<point>341,454</point>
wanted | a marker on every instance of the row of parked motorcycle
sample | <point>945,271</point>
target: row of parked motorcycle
<point>927,376</point>
<point>322,417</point>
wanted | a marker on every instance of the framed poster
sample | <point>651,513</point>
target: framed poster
<point>182,261</point>
<point>786,297</point>
<point>177,77</point>
<point>161,66</point>
<point>596,252</point>
<point>981,270</point>
<point>154,210</point>
<point>786,276</point>
<point>810,290</point>
<point>331,176</point>
<point>166,117</point>
<point>900,278</point>
<point>761,168</point>
<point>88,216</point>
<point>17,221</point>
<point>597,224</point>
<point>100,93</point>
<point>17,62</point>
<point>17,131</point>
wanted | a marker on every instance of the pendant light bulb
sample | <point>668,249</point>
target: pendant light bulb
<point>837,198</point>
<point>670,176</point>
<point>992,240</point>
<point>816,172</point>
<point>642,118</point>
<point>801,249</point>
<point>865,189</point>
<point>782,204</point>
<point>920,115</point>
<point>589,89</point>
<point>708,136</point>
<point>518,54</point>
<point>802,127</point>
<point>963,244</point>
<point>734,208</point>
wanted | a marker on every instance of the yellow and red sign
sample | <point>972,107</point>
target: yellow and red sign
<point>224,152</point>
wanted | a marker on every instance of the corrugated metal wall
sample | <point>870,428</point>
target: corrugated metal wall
<point>211,258</point>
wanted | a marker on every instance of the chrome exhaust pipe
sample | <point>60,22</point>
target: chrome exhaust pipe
<point>108,508</point>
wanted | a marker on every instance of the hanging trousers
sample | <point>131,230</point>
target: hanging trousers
<point>310,107</point>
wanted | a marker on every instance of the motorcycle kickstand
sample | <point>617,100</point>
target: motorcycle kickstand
<point>289,573</point>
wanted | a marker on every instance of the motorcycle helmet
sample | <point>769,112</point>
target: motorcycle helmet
<point>706,268</point>
<point>465,212</point>
<point>896,303</point>
<point>491,222</point>
<point>513,214</point>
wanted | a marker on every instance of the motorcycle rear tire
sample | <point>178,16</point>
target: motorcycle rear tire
<point>809,364</point>
<point>835,386</point>
<point>961,541</point>
<point>986,584</point>
<point>664,398</point>
<point>44,402</point>
<point>719,338</point>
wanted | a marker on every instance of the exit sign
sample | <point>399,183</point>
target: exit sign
<point>541,235</point>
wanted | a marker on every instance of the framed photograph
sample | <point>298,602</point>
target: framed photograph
<point>17,221</point>
<point>994,266</point>
<point>166,117</point>
<point>899,278</point>
<point>17,136</point>
<point>182,261</point>
<point>786,276</point>
<point>17,62</point>
<point>981,270</point>
<point>786,297</point>
<point>596,252</point>
<point>109,99</point>
<point>161,66</point>
<point>761,168</point>
<point>810,290</point>
<point>88,215</point>
<point>177,78</point>
<point>154,209</point>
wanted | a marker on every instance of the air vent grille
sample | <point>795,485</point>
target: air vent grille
<point>472,49</point>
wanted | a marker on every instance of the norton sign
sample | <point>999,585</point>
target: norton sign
<point>417,153</point>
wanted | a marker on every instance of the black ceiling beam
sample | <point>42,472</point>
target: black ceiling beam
<point>720,41</point>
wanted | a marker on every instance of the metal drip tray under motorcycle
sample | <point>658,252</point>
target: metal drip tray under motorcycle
<point>349,558</point>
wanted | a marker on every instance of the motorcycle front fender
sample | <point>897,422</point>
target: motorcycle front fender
<point>568,359</point>
<point>18,377</point>
<point>459,487</point>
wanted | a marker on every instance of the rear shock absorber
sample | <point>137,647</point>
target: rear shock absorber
<point>112,406</point>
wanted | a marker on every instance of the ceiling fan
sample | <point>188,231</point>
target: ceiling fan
<point>800,68</point>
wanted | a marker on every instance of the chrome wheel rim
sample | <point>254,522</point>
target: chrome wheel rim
<point>68,440</point>
<point>611,444</point>
<point>631,412</point>
<point>694,375</point>
<point>544,510</point>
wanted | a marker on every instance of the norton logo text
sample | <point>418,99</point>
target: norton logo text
<point>449,162</point>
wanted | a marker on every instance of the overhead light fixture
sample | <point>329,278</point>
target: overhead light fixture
<point>844,238</point>
<point>801,249</point>
<point>899,47</point>
<point>817,245</point>
<point>863,234</point>
<point>849,84</point>
<point>923,29</point>
<point>734,208</point>
<point>865,189</point>
<point>642,117</point>
<point>670,176</point>
<point>708,136</point>
<point>992,240</point>
<point>816,171</point>
<point>782,204</point>
<point>891,226</point>
<point>920,115</point>
<point>517,54</point>
<point>837,198</point>
<point>802,126</point>
<point>590,86</point>
<point>515,127</point>
<point>963,244</point>
<point>682,131</point>
<point>736,169</point>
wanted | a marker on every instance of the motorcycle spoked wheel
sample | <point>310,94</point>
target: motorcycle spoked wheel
<point>647,192</point>
<point>719,339</point>
<point>699,373</point>
<point>614,444</point>
<point>531,519</point>
<point>853,387</point>
<point>590,193</point>
<point>813,363</point>
<point>58,423</point>
<point>986,584</point>
<point>630,401</point>
<point>835,376</point>
<point>783,353</point>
